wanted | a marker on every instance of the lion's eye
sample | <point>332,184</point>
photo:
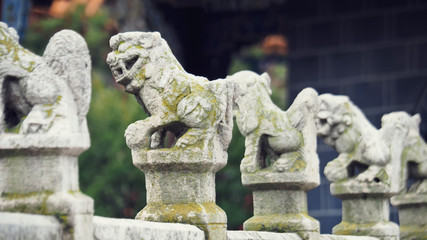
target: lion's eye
<point>129,63</point>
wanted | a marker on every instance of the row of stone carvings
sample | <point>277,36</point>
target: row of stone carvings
<point>44,101</point>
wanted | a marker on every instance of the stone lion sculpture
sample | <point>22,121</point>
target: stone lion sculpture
<point>366,153</point>
<point>44,94</point>
<point>195,109</point>
<point>412,163</point>
<point>270,132</point>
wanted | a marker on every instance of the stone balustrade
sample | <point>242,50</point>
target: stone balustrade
<point>43,131</point>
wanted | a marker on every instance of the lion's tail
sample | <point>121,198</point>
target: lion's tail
<point>304,107</point>
<point>224,91</point>
<point>68,55</point>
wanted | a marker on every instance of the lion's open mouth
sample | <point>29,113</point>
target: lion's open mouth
<point>123,80</point>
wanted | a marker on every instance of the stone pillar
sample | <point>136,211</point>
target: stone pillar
<point>180,177</point>
<point>40,176</point>
<point>280,163</point>
<point>412,209</point>
<point>43,105</point>
<point>181,188</point>
<point>281,206</point>
<point>365,210</point>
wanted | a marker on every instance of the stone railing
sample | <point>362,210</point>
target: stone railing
<point>43,130</point>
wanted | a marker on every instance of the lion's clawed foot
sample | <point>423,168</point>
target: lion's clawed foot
<point>282,165</point>
<point>191,137</point>
<point>248,165</point>
<point>35,123</point>
<point>372,174</point>
<point>335,172</point>
<point>137,135</point>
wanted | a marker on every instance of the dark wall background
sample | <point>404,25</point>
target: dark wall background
<point>374,51</point>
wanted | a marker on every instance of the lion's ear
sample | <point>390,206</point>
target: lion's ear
<point>265,79</point>
<point>346,119</point>
<point>151,40</point>
<point>416,118</point>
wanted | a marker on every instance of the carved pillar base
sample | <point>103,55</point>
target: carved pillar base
<point>280,205</point>
<point>181,188</point>
<point>281,211</point>
<point>365,210</point>
<point>39,175</point>
<point>412,215</point>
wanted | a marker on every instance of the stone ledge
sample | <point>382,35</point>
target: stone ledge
<point>116,229</point>
<point>39,144</point>
<point>342,237</point>
<point>255,235</point>
<point>29,226</point>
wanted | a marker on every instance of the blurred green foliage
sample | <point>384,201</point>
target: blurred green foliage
<point>106,170</point>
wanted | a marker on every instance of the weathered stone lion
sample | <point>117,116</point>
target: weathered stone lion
<point>412,163</point>
<point>195,109</point>
<point>44,94</point>
<point>283,137</point>
<point>366,153</point>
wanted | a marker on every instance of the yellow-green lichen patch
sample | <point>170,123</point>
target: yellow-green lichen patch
<point>14,53</point>
<point>357,229</point>
<point>34,202</point>
<point>190,213</point>
<point>299,164</point>
<point>284,223</point>
<point>66,226</point>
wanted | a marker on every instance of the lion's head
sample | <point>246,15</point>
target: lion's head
<point>334,117</point>
<point>250,86</point>
<point>137,56</point>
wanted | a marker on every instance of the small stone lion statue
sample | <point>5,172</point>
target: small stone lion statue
<point>195,109</point>
<point>366,153</point>
<point>48,94</point>
<point>275,139</point>
<point>412,163</point>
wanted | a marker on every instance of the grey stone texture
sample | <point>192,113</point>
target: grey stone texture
<point>258,235</point>
<point>123,229</point>
<point>43,130</point>
<point>280,162</point>
<point>180,179</point>
<point>22,226</point>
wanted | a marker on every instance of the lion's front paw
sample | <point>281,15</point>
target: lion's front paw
<point>184,142</point>
<point>137,135</point>
<point>372,174</point>
<point>365,177</point>
<point>247,165</point>
<point>281,165</point>
<point>34,125</point>
<point>334,173</point>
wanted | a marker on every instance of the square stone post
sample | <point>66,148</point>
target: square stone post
<point>39,175</point>
<point>181,188</point>
<point>365,210</point>
<point>412,209</point>
<point>280,206</point>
